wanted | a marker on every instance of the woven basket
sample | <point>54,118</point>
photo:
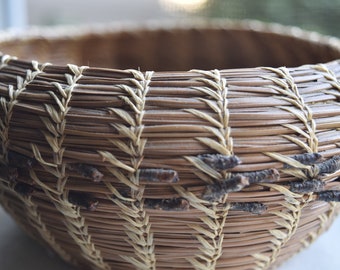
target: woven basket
<point>226,166</point>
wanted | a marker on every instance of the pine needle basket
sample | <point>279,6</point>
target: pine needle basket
<point>232,164</point>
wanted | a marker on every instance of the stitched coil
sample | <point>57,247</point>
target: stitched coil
<point>231,164</point>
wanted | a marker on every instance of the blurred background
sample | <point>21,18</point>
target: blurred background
<point>17,251</point>
<point>321,16</point>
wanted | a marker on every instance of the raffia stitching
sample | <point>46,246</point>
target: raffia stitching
<point>332,79</point>
<point>74,222</point>
<point>132,209</point>
<point>324,218</point>
<point>35,220</point>
<point>294,203</point>
<point>5,59</point>
<point>211,239</point>
<point>329,76</point>
<point>8,105</point>
<point>4,127</point>
<point>289,92</point>
<point>31,210</point>
<point>324,221</point>
<point>285,85</point>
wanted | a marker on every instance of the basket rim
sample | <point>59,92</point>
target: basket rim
<point>54,33</point>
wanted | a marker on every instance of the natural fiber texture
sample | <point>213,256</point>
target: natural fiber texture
<point>226,166</point>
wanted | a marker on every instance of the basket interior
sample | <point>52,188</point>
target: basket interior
<point>175,49</point>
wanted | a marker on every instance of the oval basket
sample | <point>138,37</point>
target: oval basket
<point>231,165</point>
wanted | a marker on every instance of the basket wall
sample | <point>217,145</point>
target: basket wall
<point>231,165</point>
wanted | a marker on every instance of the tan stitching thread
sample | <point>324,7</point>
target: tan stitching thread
<point>289,92</point>
<point>216,88</point>
<point>325,217</point>
<point>7,106</point>
<point>290,221</point>
<point>211,240</point>
<point>324,220</point>
<point>5,59</point>
<point>329,76</point>
<point>35,221</point>
<point>132,209</point>
<point>4,126</point>
<point>74,222</point>
<point>34,218</point>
